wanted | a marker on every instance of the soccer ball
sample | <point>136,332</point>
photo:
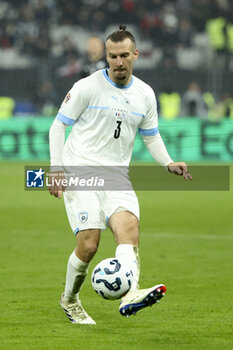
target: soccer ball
<point>111,278</point>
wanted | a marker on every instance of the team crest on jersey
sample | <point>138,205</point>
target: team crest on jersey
<point>83,216</point>
<point>67,98</point>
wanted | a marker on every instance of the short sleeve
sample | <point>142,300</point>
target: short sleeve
<point>75,103</point>
<point>149,124</point>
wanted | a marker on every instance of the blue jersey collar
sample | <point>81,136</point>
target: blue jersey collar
<point>105,73</point>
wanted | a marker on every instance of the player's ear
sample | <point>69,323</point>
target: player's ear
<point>135,54</point>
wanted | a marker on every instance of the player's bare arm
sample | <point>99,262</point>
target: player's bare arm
<point>180,168</point>
<point>56,185</point>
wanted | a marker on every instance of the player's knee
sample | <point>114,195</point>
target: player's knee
<point>91,248</point>
<point>87,244</point>
<point>87,251</point>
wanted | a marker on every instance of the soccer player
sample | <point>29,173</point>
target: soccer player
<point>106,109</point>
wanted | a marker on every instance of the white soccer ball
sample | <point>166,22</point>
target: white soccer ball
<point>111,278</point>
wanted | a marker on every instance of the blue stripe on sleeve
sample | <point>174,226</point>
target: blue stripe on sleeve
<point>64,119</point>
<point>148,132</point>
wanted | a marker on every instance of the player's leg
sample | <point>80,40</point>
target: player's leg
<point>125,228</point>
<point>78,263</point>
<point>83,211</point>
<point>77,268</point>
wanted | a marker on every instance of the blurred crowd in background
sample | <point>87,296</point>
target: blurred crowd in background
<point>186,49</point>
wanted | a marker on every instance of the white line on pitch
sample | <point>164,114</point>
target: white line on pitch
<point>186,236</point>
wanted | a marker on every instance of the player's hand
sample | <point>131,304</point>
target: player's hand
<point>180,168</point>
<point>56,184</point>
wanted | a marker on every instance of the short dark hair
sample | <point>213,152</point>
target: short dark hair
<point>121,35</point>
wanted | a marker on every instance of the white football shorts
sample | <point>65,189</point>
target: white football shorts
<point>92,209</point>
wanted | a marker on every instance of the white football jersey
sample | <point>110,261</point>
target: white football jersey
<point>105,119</point>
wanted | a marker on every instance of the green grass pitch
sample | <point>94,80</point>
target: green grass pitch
<point>186,242</point>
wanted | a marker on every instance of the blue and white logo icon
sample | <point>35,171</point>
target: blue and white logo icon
<point>83,216</point>
<point>35,178</point>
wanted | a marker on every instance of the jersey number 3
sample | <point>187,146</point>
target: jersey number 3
<point>117,130</point>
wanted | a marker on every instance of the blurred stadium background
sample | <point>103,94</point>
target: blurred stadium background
<point>185,48</point>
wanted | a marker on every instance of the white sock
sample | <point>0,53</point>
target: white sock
<point>75,276</point>
<point>130,255</point>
